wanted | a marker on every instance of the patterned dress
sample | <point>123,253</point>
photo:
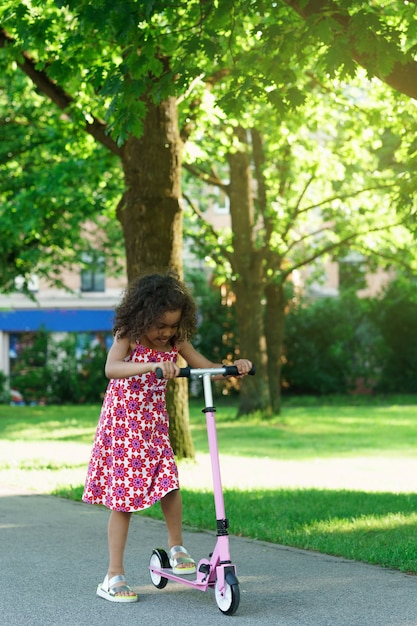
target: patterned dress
<point>132,465</point>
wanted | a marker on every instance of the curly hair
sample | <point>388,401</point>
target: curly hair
<point>147,298</point>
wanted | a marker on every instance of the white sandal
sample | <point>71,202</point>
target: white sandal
<point>110,589</point>
<point>187,563</point>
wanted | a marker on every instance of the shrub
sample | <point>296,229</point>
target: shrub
<point>394,313</point>
<point>59,372</point>
<point>329,345</point>
<point>4,389</point>
<point>29,373</point>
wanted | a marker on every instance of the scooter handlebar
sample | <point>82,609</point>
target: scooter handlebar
<point>225,370</point>
<point>231,370</point>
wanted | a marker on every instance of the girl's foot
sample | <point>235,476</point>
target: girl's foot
<point>180,561</point>
<point>115,589</point>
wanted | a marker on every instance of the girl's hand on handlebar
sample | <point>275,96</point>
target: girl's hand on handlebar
<point>169,369</point>
<point>244,366</point>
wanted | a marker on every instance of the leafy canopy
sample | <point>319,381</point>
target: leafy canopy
<point>101,62</point>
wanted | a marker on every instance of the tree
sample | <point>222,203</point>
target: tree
<point>117,82</point>
<point>116,70</point>
<point>326,181</point>
<point>155,157</point>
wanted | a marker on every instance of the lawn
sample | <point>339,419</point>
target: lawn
<point>303,431</point>
<point>47,447</point>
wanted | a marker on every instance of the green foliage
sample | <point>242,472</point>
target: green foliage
<point>113,57</point>
<point>216,337</point>
<point>4,389</point>
<point>334,174</point>
<point>265,69</point>
<point>333,345</point>
<point>395,316</point>
<point>346,34</point>
<point>330,343</point>
<point>30,375</point>
<point>59,372</point>
<point>76,371</point>
<point>64,372</point>
<point>54,180</point>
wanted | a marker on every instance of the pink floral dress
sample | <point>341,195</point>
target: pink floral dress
<point>132,465</point>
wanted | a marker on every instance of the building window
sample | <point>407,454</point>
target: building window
<point>352,272</point>
<point>221,204</point>
<point>93,277</point>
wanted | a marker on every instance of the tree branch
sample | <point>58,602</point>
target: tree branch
<point>211,230</point>
<point>402,78</point>
<point>209,179</point>
<point>52,91</point>
<point>308,235</point>
<point>296,211</point>
<point>333,246</point>
<point>345,196</point>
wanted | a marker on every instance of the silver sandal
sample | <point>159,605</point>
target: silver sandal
<point>181,564</point>
<point>110,589</point>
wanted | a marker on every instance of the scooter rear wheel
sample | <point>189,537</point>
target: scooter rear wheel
<point>228,602</point>
<point>159,560</point>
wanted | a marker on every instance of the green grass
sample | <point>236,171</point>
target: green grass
<point>48,423</point>
<point>304,432</point>
<point>378,528</point>
<point>301,432</point>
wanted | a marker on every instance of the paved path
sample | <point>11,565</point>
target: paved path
<point>53,553</point>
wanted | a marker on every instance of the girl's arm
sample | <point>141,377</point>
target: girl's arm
<point>117,367</point>
<point>197,360</point>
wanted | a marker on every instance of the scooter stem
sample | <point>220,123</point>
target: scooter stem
<point>208,395</point>
<point>209,410</point>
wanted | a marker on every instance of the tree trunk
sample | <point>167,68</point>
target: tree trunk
<point>254,395</point>
<point>151,218</point>
<point>150,211</point>
<point>274,333</point>
<point>247,266</point>
<point>179,427</point>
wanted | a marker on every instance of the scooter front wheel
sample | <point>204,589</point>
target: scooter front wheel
<point>227,602</point>
<point>159,560</point>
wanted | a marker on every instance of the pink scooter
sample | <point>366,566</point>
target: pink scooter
<point>218,571</point>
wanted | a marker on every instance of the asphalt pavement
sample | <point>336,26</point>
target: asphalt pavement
<point>53,553</point>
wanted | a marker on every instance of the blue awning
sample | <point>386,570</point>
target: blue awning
<point>57,320</point>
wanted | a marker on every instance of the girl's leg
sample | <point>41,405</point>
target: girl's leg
<point>171,506</point>
<point>117,531</point>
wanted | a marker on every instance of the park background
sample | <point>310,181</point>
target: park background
<point>124,124</point>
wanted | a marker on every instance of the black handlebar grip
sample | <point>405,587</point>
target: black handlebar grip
<point>184,372</point>
<point>231,370</point>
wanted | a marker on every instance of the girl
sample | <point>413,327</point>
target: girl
<point>132,464</point>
